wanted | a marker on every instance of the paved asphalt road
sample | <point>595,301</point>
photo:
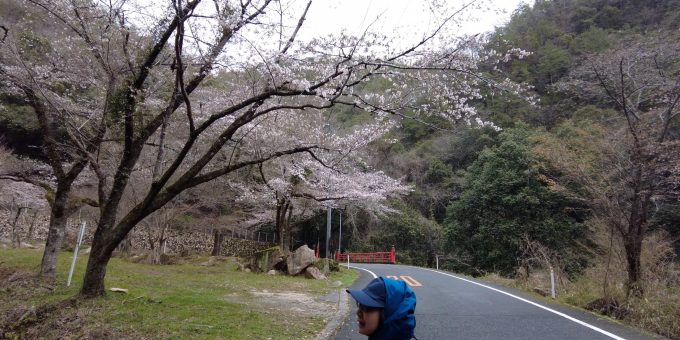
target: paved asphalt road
<point>454,307</point>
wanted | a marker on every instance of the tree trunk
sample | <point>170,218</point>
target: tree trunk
<point>281,227</point>
<point>107,237</point>
<point>633,247</point>
<point>16,239</point>
<point>100,254</point>
<point>31,229</point>
<point>289,227</point>
<point>55,234</point>
<point>93,283</point>
<point>161,244</point>
<point>126,246</point>
<point>632,239</point>
<point>218,240</point>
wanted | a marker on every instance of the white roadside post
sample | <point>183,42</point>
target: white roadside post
<point>437,260</point>
<point>552,282</point>
<point>75,253</point>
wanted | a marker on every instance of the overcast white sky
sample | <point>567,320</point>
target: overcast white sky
<point>403,22</point>
<point>407,17</point>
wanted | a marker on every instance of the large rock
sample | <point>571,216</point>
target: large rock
<point>314,273</point>
<point>278,262</point>
<point>27,245</point>
<point>266,260</point>
<point>332,264</point>
<point>212,260</point>
<point>300,259</point>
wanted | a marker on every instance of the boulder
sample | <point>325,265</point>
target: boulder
<point>27,245</point>
<point>300,259</point>
<point>332,264</point>
<point>208,263</point>
<point>212,260</point>
<point>541,291</point>
<point>314,273</point>
<point>279,263</point>
<point>272,272</point>
<point>266,260</point>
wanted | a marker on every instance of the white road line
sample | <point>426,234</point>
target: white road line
<point>613,336</point>
<point>364,269</point>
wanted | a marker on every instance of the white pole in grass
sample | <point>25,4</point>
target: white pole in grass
<point>75,253</point>
<point>552,282</point>
<point>437,258</point>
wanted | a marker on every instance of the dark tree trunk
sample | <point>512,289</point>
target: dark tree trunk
<point>218,240</point>
<point>633,247</point>
<point>16,239</point>
<point>93,283</point>
<point>288,228</point>
<point>103,244</point>
<point>107,237</point>
<point>55,234</point>
<point>637,225</point>
<point>31,229</point>
<point>281,225</point>
<point>125,247</point>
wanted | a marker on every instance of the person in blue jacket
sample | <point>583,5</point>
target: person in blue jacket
<point>386,309</point>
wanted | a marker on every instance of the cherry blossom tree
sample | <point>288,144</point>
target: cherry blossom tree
<point>208,71</point>
<point>297,187</point>
<point>64,65</point>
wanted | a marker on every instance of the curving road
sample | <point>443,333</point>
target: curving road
<point>454,307</point>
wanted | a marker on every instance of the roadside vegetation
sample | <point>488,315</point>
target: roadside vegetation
<point>183,300</point>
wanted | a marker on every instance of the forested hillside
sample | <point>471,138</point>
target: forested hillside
<point>552,143</point>
<point>584,180</point>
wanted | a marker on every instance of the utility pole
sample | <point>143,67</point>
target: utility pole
<point>329,215</point>
<point>340,233</point>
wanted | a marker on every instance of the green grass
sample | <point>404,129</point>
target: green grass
<point>175,301</point>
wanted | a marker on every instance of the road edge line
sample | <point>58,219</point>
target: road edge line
<point>364,269</point>
<point>570,318</point>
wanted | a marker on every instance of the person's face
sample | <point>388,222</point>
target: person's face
<point>368,318</point>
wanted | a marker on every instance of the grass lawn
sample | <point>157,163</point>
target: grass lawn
<point>172,301</point>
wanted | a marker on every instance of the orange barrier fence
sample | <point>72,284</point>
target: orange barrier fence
<point>379,257</point>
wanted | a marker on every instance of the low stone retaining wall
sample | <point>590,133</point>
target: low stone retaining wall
<point>178,241</point>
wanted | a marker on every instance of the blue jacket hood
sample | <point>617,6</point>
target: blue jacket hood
<point>399,320</point>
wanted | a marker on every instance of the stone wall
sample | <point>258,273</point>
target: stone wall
<point>178,242</point>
